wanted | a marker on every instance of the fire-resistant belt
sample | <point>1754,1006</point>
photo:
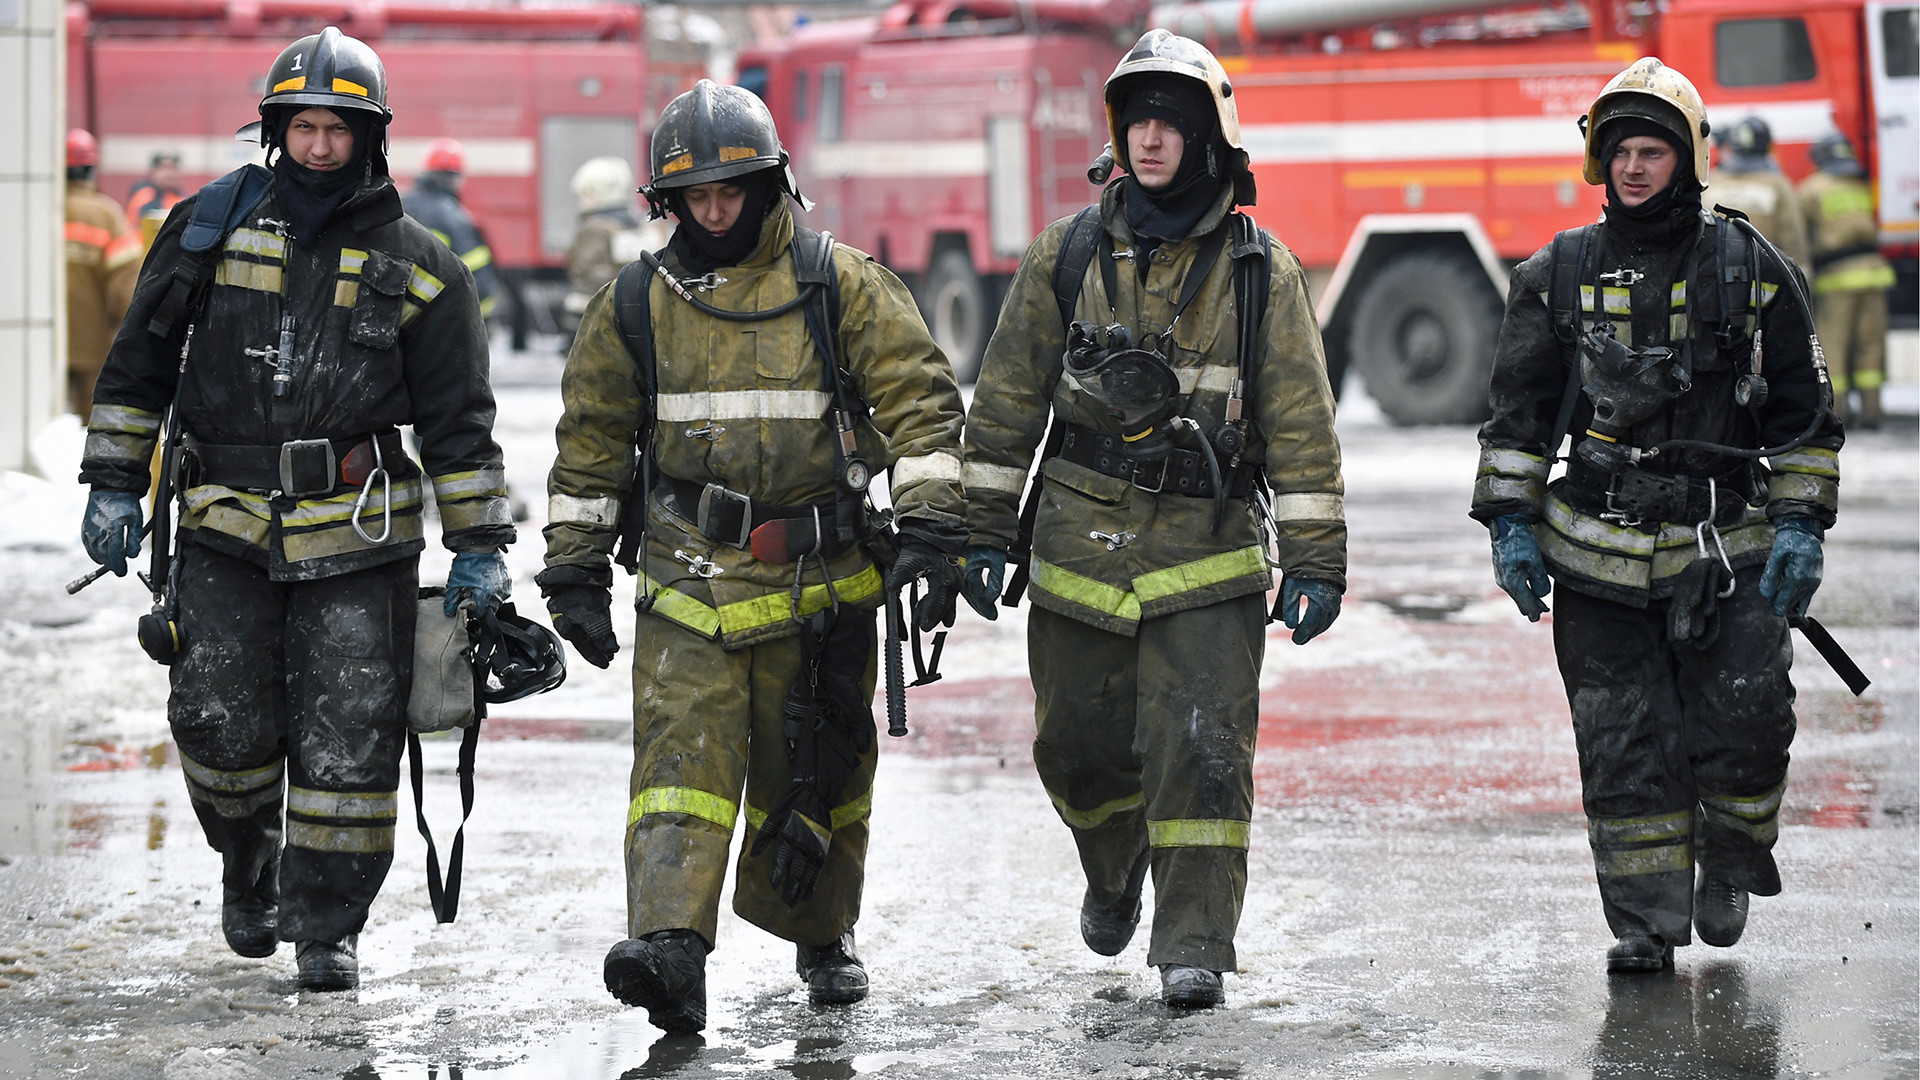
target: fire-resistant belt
<point>1651,497</point>
<point>1181,472</point>
<point>300,468</point>
<point>729,517</point>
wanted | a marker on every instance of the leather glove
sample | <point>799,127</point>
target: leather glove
<point>1795,565</point>
<point>480,577</point>
<point>583,614</point>
<point>1518,567</point>
<point>1323,606</point>
<point>799,851</point>
<point>928,550</point>
<point>985,575</point>
<point>111,530</point>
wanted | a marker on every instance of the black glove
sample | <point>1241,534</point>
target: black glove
<point>928,549</point>
<point>583,614</point>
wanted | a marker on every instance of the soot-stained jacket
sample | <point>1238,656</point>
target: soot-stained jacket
<point>1173,561</point>
<point>386,332</point>
<point>1635,563</point>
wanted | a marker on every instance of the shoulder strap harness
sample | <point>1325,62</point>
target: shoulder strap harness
<point>222,206</point>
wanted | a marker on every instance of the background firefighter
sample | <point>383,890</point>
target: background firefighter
<point>1149,619</point>
<point>1671,637</point>
<point>1850,277</point>
<point>1748,179</point>
<point>608,237</point>
<point>755,652</point>
<point>323,320</point>
<point>103,262</point>
<point>435,203</point>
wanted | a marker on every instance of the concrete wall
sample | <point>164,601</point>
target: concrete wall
<point>33,277</point>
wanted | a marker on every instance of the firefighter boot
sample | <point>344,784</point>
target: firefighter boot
<point>664,973</point>
<point>833,972</point>
<point>1869,417</point>
<point>1719,910</point>
<point>329,965</point>
<point>250,917</point>
<point>1639,952</point>
<point>1107,928</point>
<point>1191,987</point>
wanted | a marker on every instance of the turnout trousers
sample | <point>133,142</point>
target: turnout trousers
<point>707,723</point>
<point>301,684</point>
<point>1146,743</point>
<point>1683,750</point>
<point>1852,324</point>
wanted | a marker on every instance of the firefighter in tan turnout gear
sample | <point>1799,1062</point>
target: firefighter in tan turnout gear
<point>1675,348</point>
<point>1749,180</point>
<point>1190,379</point>
<point>755,647</point>
<point>103,262</point>
<point>1850,276</point>
<point>293,319</point>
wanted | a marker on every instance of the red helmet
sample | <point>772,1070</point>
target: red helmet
<point>82,148</point>
<point>446,155</point>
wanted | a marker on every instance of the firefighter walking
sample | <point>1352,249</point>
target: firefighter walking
<point>608,237</point>
<point>1749,180</point>
<point>435,203</point>
<point>1175,348</point>
<point>103,262</point>
<point>292,320</point>
<point>746,356</point>
<point>1850,277</point>
<point>1675,554</point>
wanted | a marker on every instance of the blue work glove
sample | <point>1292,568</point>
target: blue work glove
<point>1518,567</point>
<point>111,530</point>
<point>1323,606</point>
<point>1794,567</point>
<point>480,576</point>
<point>983,578</point>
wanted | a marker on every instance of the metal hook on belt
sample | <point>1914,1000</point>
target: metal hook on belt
<point>1114,541</point>
<point>386,498</point>
<point>1700,533</point>
<point>699,565</point>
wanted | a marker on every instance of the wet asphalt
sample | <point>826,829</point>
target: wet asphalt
<point>1421,902</point>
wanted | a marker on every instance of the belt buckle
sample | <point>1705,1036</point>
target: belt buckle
<point>714,496</point>
<point>298,457</point>
<point>1159,482</point>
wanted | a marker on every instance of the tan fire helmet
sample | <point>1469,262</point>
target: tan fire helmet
<point>1163,52</point>
<point>1631,93</point>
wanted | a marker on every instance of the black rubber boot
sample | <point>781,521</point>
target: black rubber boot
<point>1719,910</point>
<point>329,965</point>
<point>664,973</point>
<point>250,917</point>
<point>1191,987</point>
<point>1638,952</point>
<point>833,972</point>
<point>1108,929</point>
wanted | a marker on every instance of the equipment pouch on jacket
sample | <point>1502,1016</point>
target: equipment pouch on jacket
<point>375,322</point>
<point>443,686</point>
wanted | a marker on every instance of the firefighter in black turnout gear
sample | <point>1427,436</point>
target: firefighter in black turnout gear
<point>763,368</point>
<point>292,320</point>
<point>1677,350</point>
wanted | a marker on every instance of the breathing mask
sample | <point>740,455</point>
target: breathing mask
<point>1132,379</point>
<point>1627,385</point>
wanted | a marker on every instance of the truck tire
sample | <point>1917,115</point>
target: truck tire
<point>954,301</point>
<point>1423,339</point>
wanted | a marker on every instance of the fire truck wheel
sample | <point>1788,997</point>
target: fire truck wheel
<point>1423,339</point>
<point>955,303</point>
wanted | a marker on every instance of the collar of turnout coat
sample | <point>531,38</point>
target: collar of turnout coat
<point>776,234</point>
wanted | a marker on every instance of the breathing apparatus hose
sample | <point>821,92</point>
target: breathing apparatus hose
<point>1819,367</point>
<point>681,290</point>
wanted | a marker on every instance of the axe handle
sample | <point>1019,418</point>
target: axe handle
<point>896,668</point>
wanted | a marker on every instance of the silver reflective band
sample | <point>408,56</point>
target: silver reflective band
<point>342,804</point>
<point>939,465</point>
<point>743,405</point>
<point>985,477</point>
<point>1308,506</point>
<point>1217,378</point>
<point>573,510</point>
<point>478,482</point>
<point>1500,461</point>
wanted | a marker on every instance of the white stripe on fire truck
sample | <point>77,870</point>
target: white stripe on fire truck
<point>219,154</point>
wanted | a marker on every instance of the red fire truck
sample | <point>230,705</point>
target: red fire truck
<point>531,93</point>
<point>1410,151</point>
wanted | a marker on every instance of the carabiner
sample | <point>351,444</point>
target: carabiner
<point>386,498</point>
<point>699,566</point>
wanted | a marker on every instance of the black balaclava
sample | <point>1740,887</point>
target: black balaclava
<point>310,196</point>
<point>1185,104</point>
<point>698,250</point>
<point>1668,214</point>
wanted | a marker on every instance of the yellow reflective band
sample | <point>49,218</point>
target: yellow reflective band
<point>345,293</point>
<point>117,446</point>
<point>1753,807</point>
<point>233,781</point>
<point>843,815</point>
<point>1635,862</point>
<point>1608,832</point>
<point>1096,817</point>
<point>1198,832</point>
<point>352,260</point>
<point>234,806</point>
<point>1861,278</point>
<point>737,153</point>
<point>442,237</point>
<point>255,242</point>
<point>340,839</point>
<point>126,419</point>
<point>342,804</point>
<point>676,606</point>
<point>249,275</point>
<point>1497,460</point>
<point>345,86</point>
<point>410,313</point>
<point>1870,380</point>
<point>469,485</point>
<point>298,82</point>
<point>1845,201</point>
<point>1085,591</point>
<point>679,164</point>
<point>1618,301</point>
<point>683,800</point>
<point>743,615</point>
<point>309,513</point>
<point>424,285</point>
<point>1677,295</point>
<point>477,258</point>
<point>1199,574</point>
